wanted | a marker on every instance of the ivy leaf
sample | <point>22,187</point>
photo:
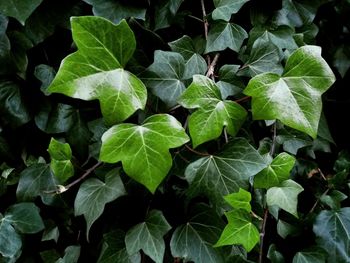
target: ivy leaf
<point>194,240</point>
<point>315,255</point>
<point>229,82</point>
<point>217,176</point>
<point>115,11</point>
<point>148,236</point>
<point>19,9</point>
<point>94,194</point>
<point>332,229</point>
<point>10,240</point>
<point>144,150</point>
<point>224,35</point>
<point>195,65</point>
<point>71,255</point>
<point>239,231</point>
<point>277,172</point>
<point>285,196</point>
<point>240,200</point>
<point>25,218</point>
<point>341,59</point>
<point>94,71</point>
<point>165,13</point>
<point>225,8</point>
<point>295,97</point>
<point>185,46</point>
<point>213,114</point>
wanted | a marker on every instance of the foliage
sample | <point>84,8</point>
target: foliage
<point>174,131</point>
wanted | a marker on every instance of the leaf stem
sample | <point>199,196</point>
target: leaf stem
<point>211,67</point>
<point>262,235</point>
<point>273,146</point>
<point>205,19</point>
<point>242,99</point>
<point>225,134</point>
<point>317,201</point>
<point>196,152</point>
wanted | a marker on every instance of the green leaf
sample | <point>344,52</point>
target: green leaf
<point>144,149</point>
<point>59,151</point>
<point>239,230</point>
<point>277,172</point>
<point>10,241</point>
<point>114,250</point>
<point>115,11</point>
<point>285,196</point>
<point>195,65</point>
<point>225,8</point>
<point>19,9</point>
<point>93,72</point>
<point>314,255</point>
<point>240,200</point>
<point>341,60</point>
<point>148,236</point>
<point>229,83</point>
<point>185,46</point>
<point>213,114</point>
<point>332,229</point>
<point>193,241</point>
<point>25,218</point>
<point>165,12</point>
<point>220,175</point>
<point>224,35</point>
<point>295,97</point>
<point>45,74</point>
<point>274,255</point>
<point>94,194</point>
<point>71,255</point>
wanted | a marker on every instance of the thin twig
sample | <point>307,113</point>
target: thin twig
<point>196,152</point>
<point>196,18</point>
<point>225,134</point>
<point>211,67</point>
<point>262,235</point>
<point>174,108</point>
<point>317,201</point>
<point>205,19</point>
<point>243,99</point>
<point>273,146</point>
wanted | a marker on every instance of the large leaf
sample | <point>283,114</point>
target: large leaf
<point>220,175</point>
<point>148,236</point>
<point>277,171</point>
<point>94,194</point>
<point>224,35</point>
<point>116,11</point>
<point>332,229</point>
<point>239,230</point>
<point>94,71</point>
<point>213,114</point>
<point>314,255</point>
<point>25,218</point>
<point>10,241</point>
<point>144,149</point>
<point>225,8</point>
<point>285,196</point>
<point>295,97</point>
<point>19,9</point>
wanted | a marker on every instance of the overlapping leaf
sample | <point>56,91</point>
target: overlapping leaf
<point>94,71</point>
<point>240,200</point>
<point>144,149</point>
<point>295,97</point>
<point>10,240</point>
<point>225,8</point>
<point>19,9</point>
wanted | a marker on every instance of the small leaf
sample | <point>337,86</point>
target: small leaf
<point>25,218</point>
<point>144,149</point>
<point>225,8</point>
<point>285,196</point>
<point>294,98</point>
<point>45,74</point>
<point>94,194</point>
<point>59,151</point>
<point>19,9</point>
<point>274,255</point>
<point>148,236</point>
<point>71,255</point>
<point>239,231</point>
<point>277,172</point>
<point>165,13</point>
<point>240,200</point>
<point>10,241</point>
<point>213,115</point>
<point>224,35</point>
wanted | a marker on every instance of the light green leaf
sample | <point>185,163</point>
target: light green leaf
<point>71,255</point>
<point>213,115</point>
<point>277,171</point>
<point>217,176</point>
<point>94,71</point>
<point>19,9</point>
<point>94,194</point>
<point>239,231</point>
<point>314,255</point>
<point>295,97</point>
<point>148,236</point>
<point>115,11</point>
<point>63,170</point>
<point>224,35</point>
<point>165,13</point>
<point>225,8</point>
<point>25,218</point>
<point>10,241</point>
<point>144,150</point>
<point>59,151</point>
<point>240,200</point>
<point>332,229</point>
<point>285,196</point>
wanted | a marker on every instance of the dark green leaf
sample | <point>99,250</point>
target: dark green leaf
<point>225,8</point>
<point>45,74</point>
<point>185,46</point>
<point>230,84</point>
<point>341,60</point>
<point>314,255</point>
<point>71,255</point>
<point>10,241</point>
<point>19,9</point>
<point>343,162</point>
<point>274,255</point>
<point>165,13</point>
<point>148,236</point>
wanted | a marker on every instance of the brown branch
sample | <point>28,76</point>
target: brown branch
<point>317,202</point>
<point>262,235</point>
<point>273,146</point>
<point>242,99</point>
<point>205,19</point>
<point>196,152</point>
<point>211,67</point>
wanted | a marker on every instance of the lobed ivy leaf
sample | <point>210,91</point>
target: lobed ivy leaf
<point>295,97</point>
<point>94,194</point>
<point>10,240</point>
<point>277,171</point>
<point>144,149</point>
<point>213,114</point>
<point>332,229</point>
<point>71,255</point>
<point>230,83</point>
<point>19,9</point>
<point>285,196</point>
<point>165,13</point>
<point>148,236</point>
<point>315,255</point>
<point>94,71</point>
<point>240,200</point>
<point>225,8</point>
<point>218,175</point>
<point>239,230</point>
